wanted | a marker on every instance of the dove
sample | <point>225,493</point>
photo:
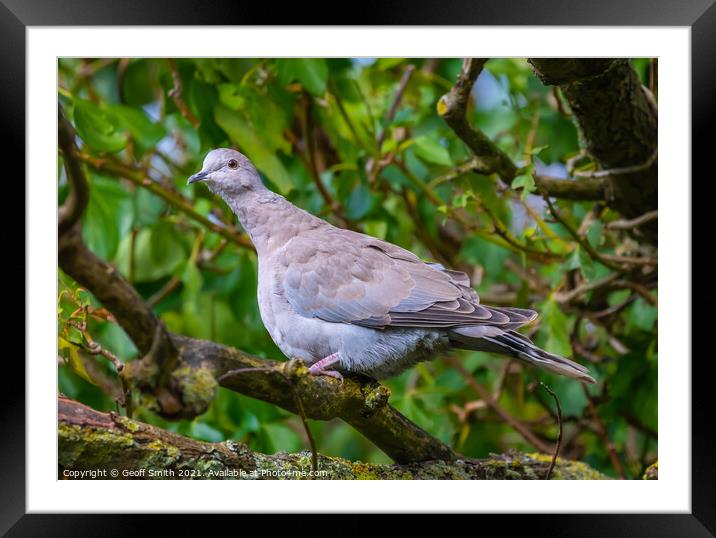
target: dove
<point>345,302</point>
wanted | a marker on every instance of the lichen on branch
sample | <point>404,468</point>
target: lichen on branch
<point>103,443</point>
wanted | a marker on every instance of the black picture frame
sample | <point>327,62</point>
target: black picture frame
<point>699,15</point>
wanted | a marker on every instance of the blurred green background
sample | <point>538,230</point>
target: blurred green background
<point>312,127</point>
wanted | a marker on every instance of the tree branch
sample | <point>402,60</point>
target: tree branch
<point>363,405</point>
<point>90,441</point>
<point>75,259</point>
<point>579,190</point>
<point>618,123</point>
<point>71,211</point>
<point>453,107</point>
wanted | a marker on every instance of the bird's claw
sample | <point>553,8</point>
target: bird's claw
<point>331,373</point>
<point>318,368</point>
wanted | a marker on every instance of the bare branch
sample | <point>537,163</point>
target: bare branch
<point>572,189</point>
<point>558,444</point>
<point>453,107</point>
<point>625,224</point>
<point>71,211</point>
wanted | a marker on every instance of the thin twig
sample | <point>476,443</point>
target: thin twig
<point>548,474</point>
<point>631,260</point>
<point>93,348</point>
<point>583,242</point>
<point>70,212</point>
<point>377,162</point>
<point>164,291</point>
<point>604,436</point>
<point>567,297</point>
<point>407,73</point>
<point>485,395</point>
<point>304,421</point>
<point>473,164</point>
<point>639,288</point>
<point>600,174</point>
<point>298,402</point>
<point>346,118</point>
<point>310,145</point>
<point>176,94</point>
<point>556,93</point>
<point>628,224</point>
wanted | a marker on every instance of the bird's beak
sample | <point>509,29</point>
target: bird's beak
<point>197,177</point>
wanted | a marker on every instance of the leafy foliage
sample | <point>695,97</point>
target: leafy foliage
<point>320,131</point>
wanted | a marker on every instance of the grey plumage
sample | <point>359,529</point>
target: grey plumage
<point>370,306</point>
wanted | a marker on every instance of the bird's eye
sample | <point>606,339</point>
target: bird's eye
<point>233,164</point>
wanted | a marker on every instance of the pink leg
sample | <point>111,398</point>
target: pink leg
<point>318,368</point>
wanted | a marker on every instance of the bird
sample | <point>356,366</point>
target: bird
<point>348,303</point>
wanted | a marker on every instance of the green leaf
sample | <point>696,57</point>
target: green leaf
<point>267,119</point>
<point>586,264</point>
<point>201,430</point>
<point>71,352</point>
<point>202,98</point>
<point>360,202</point>
<point>384,64</point>
<point>312,73</point>
<point>594,235</point>
<point>281,437</point>
<point>139,82</point>
<point>644,315</point>
<point>231,95</point>
<point>239,130</point>
<point>166,250</point>
<point>462,199</point>
<point>147,207</point>
<point>376,228</point>
<point>107,217</point>
<point>537,150</point>
<point>556,326</point>
<point>144,131</point>
<point>526,182</point>
<point>432,151</point>
<point>98,127</point>
<point>152,260</point>
<point>191,278</point>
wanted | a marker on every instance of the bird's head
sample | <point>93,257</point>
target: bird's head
<point>227,173</point>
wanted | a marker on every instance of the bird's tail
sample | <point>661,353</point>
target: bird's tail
<point>514,344</point>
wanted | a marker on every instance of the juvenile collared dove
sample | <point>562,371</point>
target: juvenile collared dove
<point>345,302</point>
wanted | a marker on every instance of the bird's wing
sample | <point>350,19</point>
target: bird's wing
<point>346,277</point>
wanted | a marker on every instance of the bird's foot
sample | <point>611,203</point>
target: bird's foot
<point>319,367</point>
<point>331,373</point>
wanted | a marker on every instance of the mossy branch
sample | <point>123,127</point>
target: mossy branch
<point>361,403</point>
<point>94,444</point>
